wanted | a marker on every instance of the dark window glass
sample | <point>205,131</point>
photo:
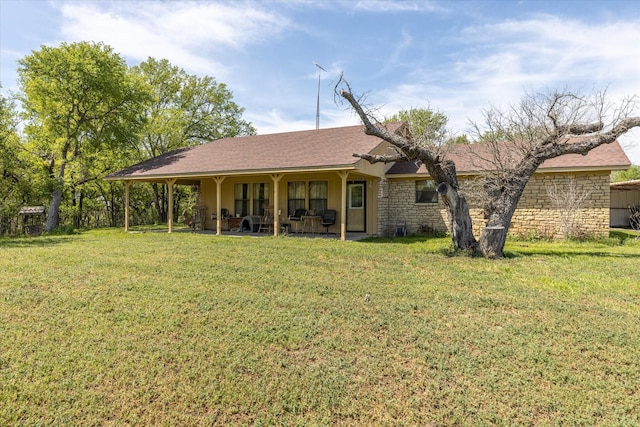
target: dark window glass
<point>426,192</point>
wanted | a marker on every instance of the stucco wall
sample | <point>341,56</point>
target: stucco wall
<point>535,214</point>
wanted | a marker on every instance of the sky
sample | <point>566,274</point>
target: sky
<point>457,57</point>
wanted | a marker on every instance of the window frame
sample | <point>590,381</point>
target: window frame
<point>241,204</point>
<point>261,197</point>
<point>427,195</point>
<point>296,202</point>
<point>318,202</point>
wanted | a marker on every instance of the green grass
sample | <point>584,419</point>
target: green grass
<point>109,328</point>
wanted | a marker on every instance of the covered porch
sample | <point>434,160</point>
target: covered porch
<point>292,174</point>
<point>237,203</point>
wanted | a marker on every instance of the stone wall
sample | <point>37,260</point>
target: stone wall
<point>535,216</point>
<point>398,196</point>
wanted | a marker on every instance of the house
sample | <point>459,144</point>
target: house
<point>317,170</point>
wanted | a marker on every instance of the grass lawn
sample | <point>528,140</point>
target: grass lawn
<point>109,328</point>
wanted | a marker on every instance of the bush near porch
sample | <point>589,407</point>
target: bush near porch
<point>110,328</point>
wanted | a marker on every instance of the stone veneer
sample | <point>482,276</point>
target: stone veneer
<point>534,216</point>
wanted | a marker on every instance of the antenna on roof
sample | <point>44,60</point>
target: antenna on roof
<point>318,102</point>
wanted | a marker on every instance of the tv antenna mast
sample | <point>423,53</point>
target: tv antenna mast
<point>320,69</point>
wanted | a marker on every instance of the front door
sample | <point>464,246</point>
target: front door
<point>356,206</point>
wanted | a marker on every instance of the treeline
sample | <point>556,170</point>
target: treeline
<point>81,113</point>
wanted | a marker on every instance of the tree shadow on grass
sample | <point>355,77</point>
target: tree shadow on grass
<point>568,253</point>
<point>529,248</point>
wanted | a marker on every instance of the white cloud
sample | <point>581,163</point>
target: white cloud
<point>186,33</point>
<point>496,64</point>
<point>398,6</point>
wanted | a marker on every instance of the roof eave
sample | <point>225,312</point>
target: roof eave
<point>539,170</point>
<point>193,175</point>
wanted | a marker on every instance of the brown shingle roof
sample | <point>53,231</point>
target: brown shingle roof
<point>327,149</point>
<point>312,149</point>
<point>470,159</point>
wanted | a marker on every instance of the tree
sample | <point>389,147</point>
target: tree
<point>13,171</point>
<point>568,199</point>
<point>427,127</point>
<point>630,174</point>
<point>185,110</point>
<point>78,99</point>
<point>519,140</point>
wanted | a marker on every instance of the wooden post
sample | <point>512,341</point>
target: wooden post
<point>276,177</point>
<point>170,183</point>
<point>343,205</point>
<point>127,185</point>
<point>218,180</point>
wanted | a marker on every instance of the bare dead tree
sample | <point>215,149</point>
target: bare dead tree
<point>441,170</point>
<point>542,127</point>
<point>511,145</point>
<point>568,199</point>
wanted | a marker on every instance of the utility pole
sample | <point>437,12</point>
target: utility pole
<point>320,69</point>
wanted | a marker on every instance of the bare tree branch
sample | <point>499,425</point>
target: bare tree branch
<point>381,158</point>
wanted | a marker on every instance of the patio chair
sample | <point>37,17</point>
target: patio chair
<point>328,219</point>
<point>266,222</point>
<point>401,229</point>
<point>297,217</point>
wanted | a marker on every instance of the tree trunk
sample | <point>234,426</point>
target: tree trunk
<point>53,215</point>
<point>492,241</point>
<point>494,236</point>
<point>459,217</point>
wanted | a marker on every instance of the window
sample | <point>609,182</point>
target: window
<point>295,196</point>
<point>426,192</point>
<point>318,196</point>
<point>260,197</point>
<point>356,196</point>
<point>241,196</point>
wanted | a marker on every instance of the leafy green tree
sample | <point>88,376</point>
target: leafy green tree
<point>630,174</point>
<point>78,99</point>
<point>427,128</point>
<point>10,176</point>
<point>185,110</point>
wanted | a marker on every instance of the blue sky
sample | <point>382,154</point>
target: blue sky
<point>458,57</point>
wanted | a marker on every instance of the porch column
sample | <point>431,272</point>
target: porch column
<point>343,208</point>
<point>127,185</point>
<point>218,180</point>
<point>276,177</point>
<point>170,183</point>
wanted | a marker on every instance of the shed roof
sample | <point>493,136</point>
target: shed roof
<point>626,185</point>
<point>31,210</point>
